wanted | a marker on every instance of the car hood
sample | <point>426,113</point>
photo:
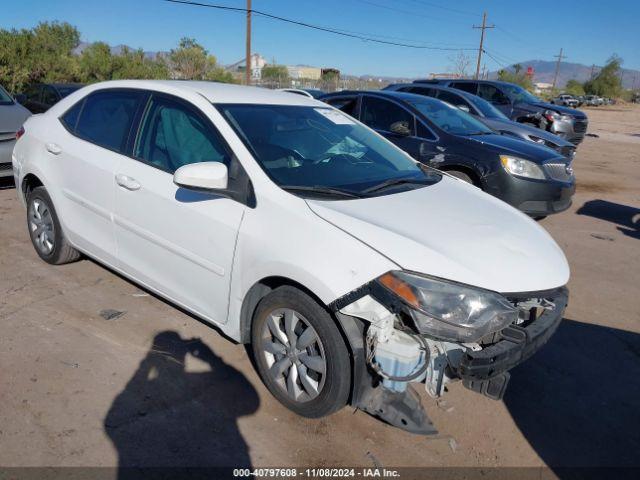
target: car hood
<point>506,145</point>
<point>453,230</point>
<point>516,127</point>
<point>12,117</point>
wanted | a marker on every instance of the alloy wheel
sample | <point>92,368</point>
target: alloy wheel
<point>294,354</point>
<point>42,226</point>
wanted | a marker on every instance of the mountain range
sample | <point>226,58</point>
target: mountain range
<point>545,70</point>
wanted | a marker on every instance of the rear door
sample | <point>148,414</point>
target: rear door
<point>99,127</point>
<point>176,241</point>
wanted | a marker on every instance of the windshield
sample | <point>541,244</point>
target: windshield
<point>450,119</point>
<point>488,110</point>
<point>5,98</point>
<point>321,148</point>
<point>519,94</point>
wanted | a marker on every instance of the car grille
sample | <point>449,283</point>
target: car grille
<point>580,126</point>
<point>7,136</point>
<point>5,166</point>
<point>559,171</point>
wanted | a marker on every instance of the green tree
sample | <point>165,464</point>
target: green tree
<point>191,61</point>
<point>96,63</point>
<point>574,87</point>
<point>276,73</point>
<point>607,83</point>
<point>516,76</point>
<point>42,54</point>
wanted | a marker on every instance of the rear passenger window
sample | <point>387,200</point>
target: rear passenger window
<point>492,94</point>
<point>465,86</point>
<point>347,105</point>
<point>455,100</point>
<point>70,118</point>
<point>172,135</point>
<point>381,114</point>
<point>106,118</point>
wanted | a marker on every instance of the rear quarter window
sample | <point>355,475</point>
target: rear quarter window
<point>70,118</point>
<point>106,118</point>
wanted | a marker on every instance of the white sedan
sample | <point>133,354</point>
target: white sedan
<point>353,270</point>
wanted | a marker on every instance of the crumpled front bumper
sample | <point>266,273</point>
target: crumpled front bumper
<point>516,345</point>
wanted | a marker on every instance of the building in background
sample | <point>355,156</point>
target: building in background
<point>304,72</point>
<point>257,63</point>
<point>542,87</point>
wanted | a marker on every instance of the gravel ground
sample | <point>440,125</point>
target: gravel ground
<point>96,372</point>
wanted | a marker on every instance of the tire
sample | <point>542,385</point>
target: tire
<point>295,376</point>
<point>45,230</point>
<point>461,175</point>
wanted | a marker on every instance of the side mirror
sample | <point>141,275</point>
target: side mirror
<point>464,108</point>
<point>21,98</point>
<point>202,176</point>
<point>400,128</point>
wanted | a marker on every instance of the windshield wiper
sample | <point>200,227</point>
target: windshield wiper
<point>472,134</point>
<point>321,190</point>
<point>395,181</point>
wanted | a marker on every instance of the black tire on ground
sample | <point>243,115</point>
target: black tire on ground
<point>461,176</point>
<point>333,386</point>
<point>45,230</point>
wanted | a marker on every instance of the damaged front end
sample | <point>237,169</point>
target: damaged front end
<point>411,328</point>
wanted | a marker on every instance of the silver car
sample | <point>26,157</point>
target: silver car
<point>12,116</point>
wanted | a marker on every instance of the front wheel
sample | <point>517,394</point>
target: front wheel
<point>461,175</point>
<point>300,353</point>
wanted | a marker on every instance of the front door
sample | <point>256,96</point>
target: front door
<point>178,242</point>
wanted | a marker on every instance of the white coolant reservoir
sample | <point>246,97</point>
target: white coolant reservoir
<point>401,356</point>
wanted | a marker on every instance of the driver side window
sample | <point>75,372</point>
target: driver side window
<point>173,135</point>
<point>381,114</point>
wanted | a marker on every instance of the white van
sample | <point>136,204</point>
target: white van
<point>351,269</point>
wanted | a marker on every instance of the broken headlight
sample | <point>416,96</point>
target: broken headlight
<point>448,310</point>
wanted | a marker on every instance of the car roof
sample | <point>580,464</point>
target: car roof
<point>406,96</point>
<point>214,92</point>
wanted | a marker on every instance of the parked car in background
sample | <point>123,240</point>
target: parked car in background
<point>40,97</point>
<point>12,116</point>
<point>520,105</point>
<point>566,100</point>
<point>297,91</point>
<point>350,269</point>
<point>532,178</point>
<point>593,100</point>
<point>314,92</point>
<point>489,115</point>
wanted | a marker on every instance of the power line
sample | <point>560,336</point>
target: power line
<point>449,9</point>
<point>410,13</point>
<point>495,59</point>
<point>315,27</point>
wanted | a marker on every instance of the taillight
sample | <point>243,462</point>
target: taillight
<point>19,133</point>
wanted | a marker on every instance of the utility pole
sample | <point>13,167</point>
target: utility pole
<point>483,28</point>
<point>593,68</point>
<point>555,77</point>
<point>484,68</point>
<point>248,56</point>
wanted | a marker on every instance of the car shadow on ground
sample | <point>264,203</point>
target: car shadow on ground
<point>627,218</point>
<point>170,417</point>
<point>576,401</point>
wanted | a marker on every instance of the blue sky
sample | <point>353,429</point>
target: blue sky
<point>589,31</point>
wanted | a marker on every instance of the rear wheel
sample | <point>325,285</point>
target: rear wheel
<point>300,354</point>
<point>45,230</point>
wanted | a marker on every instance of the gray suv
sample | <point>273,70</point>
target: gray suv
<point>520,105</point>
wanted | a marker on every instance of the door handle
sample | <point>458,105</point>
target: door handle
<point>127,182</point>
<point>53,148</point>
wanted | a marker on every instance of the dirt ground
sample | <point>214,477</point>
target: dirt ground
<point>81,385</point>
